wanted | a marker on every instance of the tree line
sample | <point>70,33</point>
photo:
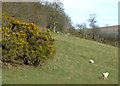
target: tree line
<point>48,14</point>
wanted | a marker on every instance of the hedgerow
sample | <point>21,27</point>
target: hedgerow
<point>22,43</point>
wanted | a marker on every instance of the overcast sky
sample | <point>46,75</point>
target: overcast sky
<point>106,10</point>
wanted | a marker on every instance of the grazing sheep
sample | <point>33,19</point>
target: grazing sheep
<point>68,33</point>
<point>91,61</point>
<point>105,75</point>
<point>57,32</point>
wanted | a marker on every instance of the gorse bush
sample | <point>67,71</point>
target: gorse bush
<point>22,43</point>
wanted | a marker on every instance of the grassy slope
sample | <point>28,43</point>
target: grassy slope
<point>70,65</point>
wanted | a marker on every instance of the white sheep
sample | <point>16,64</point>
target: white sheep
<point>66,35</point>
<point>57,32</point>
<point>91,61</point>
<point>105,75</point>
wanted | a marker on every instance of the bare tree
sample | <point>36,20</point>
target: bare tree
<point>92,23</point>
<point>81,27</point>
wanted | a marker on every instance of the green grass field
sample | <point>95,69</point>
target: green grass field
<point>70,64</point>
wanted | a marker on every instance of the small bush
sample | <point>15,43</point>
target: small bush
<point>22,43</point>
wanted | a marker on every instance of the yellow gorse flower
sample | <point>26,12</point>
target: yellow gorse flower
<point>27,23</point>
<point>18,33</point>
<point>23,34</point>
<point>8,35</point>
<point>37,33</point>
<point>13,33</point>
<point>12,19</point>
<point>23,23</point>
<point>6,28</point>
<point>31,24</point>
<point>0,28</point>
<point>50,46</point>
<point>3,28</point>
<point>35,28</point>
<point>48,30</point>
<point>23,26</point>
<point>16,22</point>
<point>32,31</point>
<point>28,27</point>
<point>21,31</point>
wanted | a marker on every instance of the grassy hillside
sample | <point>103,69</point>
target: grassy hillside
<point>70,65</point>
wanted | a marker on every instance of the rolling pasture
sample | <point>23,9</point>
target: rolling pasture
<point>70,65</point>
